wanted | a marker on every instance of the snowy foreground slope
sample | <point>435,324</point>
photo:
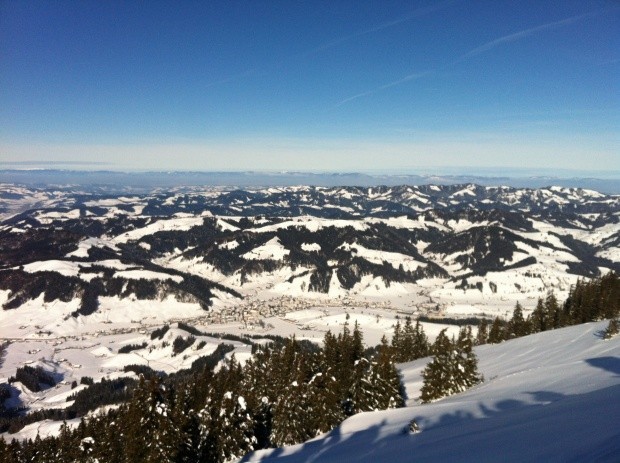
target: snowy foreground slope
<point>553,396</point>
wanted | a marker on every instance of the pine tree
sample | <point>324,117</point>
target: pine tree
<point>67,449</point>
<point>610,296</point>
<point>466,368</point>
<point>483,332</point>
<point>496,333</point>
<point>327,410</point>
<point>438,373</point>
<point>454,367</point>
<point>188,424</point>
<point>612,329</point>
<point>539,317</point>
<point>409,343</point>
<point>226,424</point>
<point>7,454</point>
<point>150,434</point>
<point>555,315</point>
<point>518,326</point>
<point>421,346</point>
<point>293,415</point>
<point>386,379</point>
<point>407,348</point>
<point>397,341</point>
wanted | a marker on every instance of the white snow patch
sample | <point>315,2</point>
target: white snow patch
<point>272,249</point>
<point>148,275</point>
<point>310,247</point>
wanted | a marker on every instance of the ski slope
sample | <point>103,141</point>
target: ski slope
<point>551,397</point>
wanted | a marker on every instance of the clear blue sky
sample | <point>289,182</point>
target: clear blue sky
<point>313,85</point>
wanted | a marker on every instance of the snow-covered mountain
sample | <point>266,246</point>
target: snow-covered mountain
<point>446,244</point>
<point>87,278</point>
<point>549,397</point>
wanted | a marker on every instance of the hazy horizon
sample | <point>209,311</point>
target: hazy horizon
<point>118,180</point>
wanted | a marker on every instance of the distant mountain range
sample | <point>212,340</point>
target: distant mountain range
<point>202,244</point>
<point>108,180</point>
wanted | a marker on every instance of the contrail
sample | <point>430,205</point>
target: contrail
<point>379,27</point>
<point>407,78</point>
<point>520,35</point>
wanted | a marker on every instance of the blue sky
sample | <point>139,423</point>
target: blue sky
<point>314,85</point>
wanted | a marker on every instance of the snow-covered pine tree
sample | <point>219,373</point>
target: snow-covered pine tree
<point>361,396</point>
<point>466,367</point>
<point>187,422</point>
<point>439,371</point>
<point>454,367</point>
<point>150,433</point>
<point>385,380</point>
<point>226,424</point>
<point>294,416</point>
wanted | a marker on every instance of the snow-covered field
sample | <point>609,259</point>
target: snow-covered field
<point>549,397</point>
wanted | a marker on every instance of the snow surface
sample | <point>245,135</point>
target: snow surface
<point>549,397</point>
<point>272,249</point>
<point>310,247</point>
<point>178,224</point>
<point>395,259</point>
<point>148,275</point>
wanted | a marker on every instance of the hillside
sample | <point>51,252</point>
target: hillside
<point>460,249</point>
<point>548,397</point>
<point>89,278</point>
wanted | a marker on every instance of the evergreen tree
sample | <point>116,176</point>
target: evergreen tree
<point>438,373</point>
<point>387,377</point>
<point>555,315</point>
<point>225,423</point>
<point>496,333</point>
<point>612,329</point>
<point>8,453</point>
<point>397,341</point>
<point>518,326</point>
<point>188,425</point>
<point>483,332</point>
<point>293,415</point>
<point>327,412</point>
<point>594,300</point>
<point>421,345</point>
<point>609,296</point>
<point>409,343</point>
<point>406,350</point>
<point>150,433</point>
<point>67,450</point>
<point>466,367</point>
<point>539,317</point>
<point>454,367</point>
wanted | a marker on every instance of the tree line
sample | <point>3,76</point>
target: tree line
<point>285,394</point>
<point>588,301</point>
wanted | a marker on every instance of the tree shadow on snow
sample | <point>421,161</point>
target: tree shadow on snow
<point>315,450</point>
<point>611,364</point>
<point>507,430</point>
